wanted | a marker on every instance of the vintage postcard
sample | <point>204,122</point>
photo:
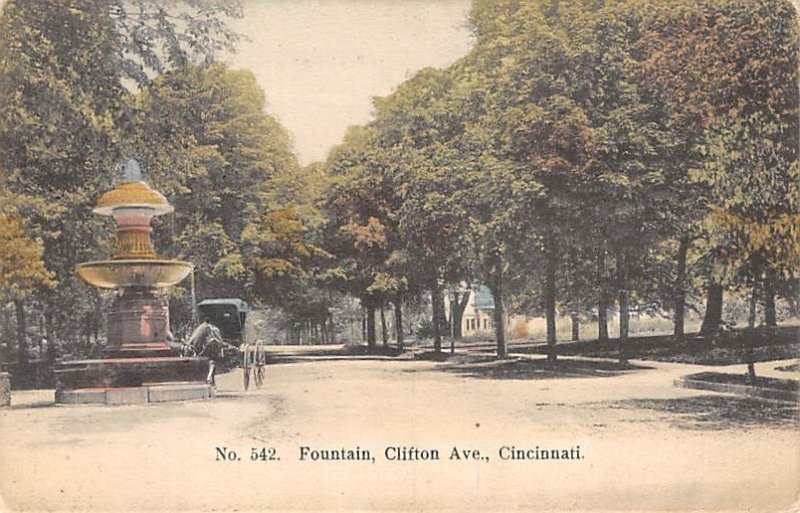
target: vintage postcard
<point>399,255</point>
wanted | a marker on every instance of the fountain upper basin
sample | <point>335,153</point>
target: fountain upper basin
<point>115,274</point>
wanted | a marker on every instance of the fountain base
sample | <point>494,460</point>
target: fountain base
<point>136,395</point>
<point>132,380</point>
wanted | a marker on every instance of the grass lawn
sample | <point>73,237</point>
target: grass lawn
<point>728,348</point>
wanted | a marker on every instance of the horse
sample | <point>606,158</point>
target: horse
<point>206,340</point>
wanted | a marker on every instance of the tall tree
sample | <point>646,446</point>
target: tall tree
<point>729,74</point>
<point>207,144</point>
<point>22,271</point>
<point>64,112</point>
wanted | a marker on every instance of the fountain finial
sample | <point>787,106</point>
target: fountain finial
<point>129,171</point>
<point>130,192</point>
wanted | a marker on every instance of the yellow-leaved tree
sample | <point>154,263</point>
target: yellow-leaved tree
<point>21,272</point>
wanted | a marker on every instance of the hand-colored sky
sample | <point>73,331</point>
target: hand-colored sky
<point>321,61</point>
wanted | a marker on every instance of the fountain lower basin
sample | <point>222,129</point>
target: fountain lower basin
<point>126,273</point>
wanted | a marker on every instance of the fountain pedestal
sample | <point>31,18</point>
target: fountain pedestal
<point>137,364</point>
<point>138,323</point>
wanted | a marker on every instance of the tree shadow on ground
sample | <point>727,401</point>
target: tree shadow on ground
<point>529,369</point>
<point>443,356</point>
<point>718,412</point>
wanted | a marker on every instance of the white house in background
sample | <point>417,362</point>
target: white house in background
<point>479,313</point>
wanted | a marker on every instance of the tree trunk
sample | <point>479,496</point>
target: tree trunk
<point>371,327</point>
<point>41,337</point>
<point>624,319</point>
<point>499,313</point>
<point>794,307</point>
<point>751,318</point>
<point>22,332</point>
<point>550,304</point>
<point>624,309</point>
<point>398,321</point>
<point>331,329</point>
<point>749,357</point>
<point>458,308</point>
<point>713,315</point>
<point>384,331</point>
<point>679,307</point>
<point>444,325</point>
<point>51,342</point>
<point>751,372</point>
<point>363,325</point>
<point>437,303</point>
<point>5,327</point>
<point>602,304</point>
<point>602,321</point>
<point>576,325</point>
<point>770,317</point>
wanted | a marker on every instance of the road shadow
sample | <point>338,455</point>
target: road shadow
<point>719,412</point>
<point>532,369</point>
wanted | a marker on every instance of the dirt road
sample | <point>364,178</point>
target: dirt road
<point>644,445</point>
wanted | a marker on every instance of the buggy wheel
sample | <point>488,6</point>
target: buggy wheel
<point>259,375</point>
<point>246,367</point>
<point>258,364</point>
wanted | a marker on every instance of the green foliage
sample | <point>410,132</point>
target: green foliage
<point>206,142</point>
<point>729,73</point>
<point>285,265</point>
<point>583,151</point>
<point>64,113</point>
<point>61,101</point>
<point>21,268</point>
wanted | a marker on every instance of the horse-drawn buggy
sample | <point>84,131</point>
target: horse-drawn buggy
<point>221,337</point>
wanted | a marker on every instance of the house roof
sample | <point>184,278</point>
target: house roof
<point>483,299</point>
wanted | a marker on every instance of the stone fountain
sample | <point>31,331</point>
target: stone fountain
<point>137,365</point>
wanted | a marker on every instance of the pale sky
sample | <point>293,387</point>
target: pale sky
<point>321,61</point>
